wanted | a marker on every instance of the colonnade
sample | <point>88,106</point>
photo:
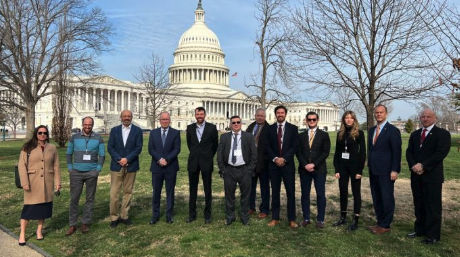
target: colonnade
<point>192,75</point>
<point>217,109</point>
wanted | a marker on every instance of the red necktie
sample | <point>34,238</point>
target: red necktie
<point>423,136</point>
<point>376,134</point>
<point>280,135</point>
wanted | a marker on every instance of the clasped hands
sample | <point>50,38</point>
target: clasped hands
<point>123,162</point>
<point>162,162</point>
<point>418,169</point>
<point>280,161</point>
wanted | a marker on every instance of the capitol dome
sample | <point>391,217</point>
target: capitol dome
<point>199,62</point>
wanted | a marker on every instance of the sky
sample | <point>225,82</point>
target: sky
<point>143,27</point>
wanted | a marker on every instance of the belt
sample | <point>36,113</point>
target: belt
<point>237,167</point>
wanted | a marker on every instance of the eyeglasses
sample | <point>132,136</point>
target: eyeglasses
<point>42,133</point>
<point>311,119</point>
<point>236,122</point>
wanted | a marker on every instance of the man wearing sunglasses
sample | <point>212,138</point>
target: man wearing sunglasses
<point>236,158</point>
<point>282,141</point>
<point>314,149</point>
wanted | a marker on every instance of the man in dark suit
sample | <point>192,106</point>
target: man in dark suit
<point>202,142</point>
<point>427,149</point>
<point>164,147</point>
<point>314,149</point>
<point>236,158</point>
<point>384,162</point>
<point>260,172</point>
<point>282,141</point>
<point>124,146</point>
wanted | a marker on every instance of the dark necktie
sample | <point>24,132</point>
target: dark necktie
<point>256,129</point>
<point>280,135</point>
<point>163,137</point>
<point>235,145</point>
<point>423,136</point>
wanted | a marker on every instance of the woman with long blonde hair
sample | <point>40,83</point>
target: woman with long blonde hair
<point>349,159</point>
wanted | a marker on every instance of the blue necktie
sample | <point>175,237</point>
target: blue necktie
<point>163,137</point>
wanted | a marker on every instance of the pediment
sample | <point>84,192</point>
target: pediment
<point>108,80</point>
<point>238,95</point>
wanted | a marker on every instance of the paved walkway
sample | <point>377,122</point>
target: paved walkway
<point>9,246</point>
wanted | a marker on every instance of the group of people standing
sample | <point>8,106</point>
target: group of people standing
<point>263,153</point>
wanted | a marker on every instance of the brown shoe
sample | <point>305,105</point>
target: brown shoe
<point>273,223</point>
<point>380,230</point>
<point>305,223</point>
<point>262,215</point>
<point>84,228</point>
<point>371,228</point>
<point>319,224</point>
<point>251,211</point>
<point>293,224</point>
<point>71,230</point>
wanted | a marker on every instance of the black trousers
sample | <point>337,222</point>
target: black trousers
<point>243,177</point>
<point>264,178</point>
<point>288,178</point>
<point>346,175</point>
<point>382,189</point>
<point>194,178</point>
<point>428,208</point>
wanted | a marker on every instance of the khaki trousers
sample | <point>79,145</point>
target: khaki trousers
<point>119,179</point>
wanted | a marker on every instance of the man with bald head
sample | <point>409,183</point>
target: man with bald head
<point>124,146</point>
<point>428,147</point>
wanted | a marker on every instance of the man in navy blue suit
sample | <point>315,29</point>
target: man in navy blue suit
<point>164,147</point>
<point>282,141</point>
<point>124,146</point>
<point>384,162</point>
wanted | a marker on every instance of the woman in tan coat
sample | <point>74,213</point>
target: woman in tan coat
<point>40,178</point>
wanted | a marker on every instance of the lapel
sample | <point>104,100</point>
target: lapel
<point>119,131</point>
<point>428,136</point>
<point>193,133</point>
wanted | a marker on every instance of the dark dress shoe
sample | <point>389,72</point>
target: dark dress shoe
<point>319,224</point>
<point>190,220</point>
<point>229,222</point>
<point>114,224</point>
<point>430,241</point>
<point>153,220</point>
<point>84,228</point>
<point>245,222</point>
<point>169,220</point>
<point>340,222</point>
<point>251,211</point>
<point>413,235</point>
<point>207,221</point>
<point>71,230</point>
<point>380,231</point>
<point>22,244</point>
<point>305,223</point>
<point>262,215</point>
<point>127,222</point>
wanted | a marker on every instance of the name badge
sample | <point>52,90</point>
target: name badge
<point>87,157</point>
<point>346,156</point>
<point>238,152</point>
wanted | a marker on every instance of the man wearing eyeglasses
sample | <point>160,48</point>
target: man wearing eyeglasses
<point>88,153</point>
<point>282,140</point>
<point>202,142</point>
<point>236,158</point>
<point>314,149</point>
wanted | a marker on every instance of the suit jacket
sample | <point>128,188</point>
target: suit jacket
<point>202,152</point>
<point>290,145</point>
<point>435,148</point>
<point>130,151</point>
<point>385,156</point>
<point>357,150</point>
<point>320,148</point>
<point>262,160</point>
<point>248,148</point>
<point>41,175</point>
<point>169,151</point>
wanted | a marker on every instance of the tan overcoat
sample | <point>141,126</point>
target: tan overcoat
<point>42,174</point>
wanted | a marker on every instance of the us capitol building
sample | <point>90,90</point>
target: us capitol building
<point>199,77</point>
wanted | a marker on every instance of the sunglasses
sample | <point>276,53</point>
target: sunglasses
<point>236,122</point>
<point>311,119</point>
<point>42,133</point>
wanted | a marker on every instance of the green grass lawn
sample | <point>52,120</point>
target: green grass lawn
<point>198,239</point>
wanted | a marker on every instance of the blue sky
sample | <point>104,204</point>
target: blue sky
<point>146,26</point>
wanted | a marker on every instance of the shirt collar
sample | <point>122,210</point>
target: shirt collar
<point>282,123</point>
<point>383,124</point>
<point>428,128</point>
<point>129,127</point>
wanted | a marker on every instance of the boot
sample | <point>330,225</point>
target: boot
<point>342,220</point>
<point>354,223</point>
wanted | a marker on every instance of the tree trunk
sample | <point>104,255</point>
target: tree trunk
<point>30,120</point>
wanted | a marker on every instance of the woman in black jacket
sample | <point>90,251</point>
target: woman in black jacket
<point>349,159</point>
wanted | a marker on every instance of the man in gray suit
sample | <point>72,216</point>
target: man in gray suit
<point>236,158</point>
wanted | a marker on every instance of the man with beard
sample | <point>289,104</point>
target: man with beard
<point>260,172</point>
<point>124,146</point>
<point>202,142</point>
<point>88,152</point>
<point>282,140</point>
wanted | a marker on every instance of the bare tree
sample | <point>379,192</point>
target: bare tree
<point>379,49</point>
<point>33,40</point>
<point>447,116</point>
<point>272,83</point>
<point>153,75</point>
<point>13,118</point>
